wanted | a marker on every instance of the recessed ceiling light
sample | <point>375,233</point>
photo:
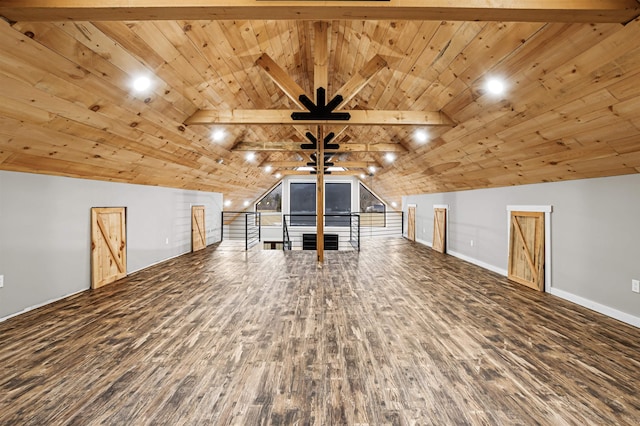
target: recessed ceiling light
<point>394,204</point>
<point>362,176</point>
<point>268,169</point>
<point>421,135</point>
<point>227,203</point>
<point>278,175</point>
<point>141,84</point>
<point>371,169</point>
<point>218,135</point>
<point>495,86</point>
<point>250,156</point>
<point>390,157</point>
<point>246,203</point>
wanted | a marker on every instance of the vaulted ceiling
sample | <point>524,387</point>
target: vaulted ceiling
<point>571,108</point>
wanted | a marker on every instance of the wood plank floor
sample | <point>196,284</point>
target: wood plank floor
<point>397,335</point>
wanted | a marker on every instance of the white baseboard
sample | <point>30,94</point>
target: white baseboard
<point>479,263</point>
<point>157,263</point>
<point>39,305</point>
<point>594,306</point>
<point>423,242</point>
<point>586,303</point>
<point>468,259</point>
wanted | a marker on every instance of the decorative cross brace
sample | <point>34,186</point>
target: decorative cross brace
<point>327,163</point>
<point>314,142</point>
<point>321,111</point>
<point>314,145</point>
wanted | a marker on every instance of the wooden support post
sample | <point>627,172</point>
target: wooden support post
<point>320,195</point>
<point>320,80</point>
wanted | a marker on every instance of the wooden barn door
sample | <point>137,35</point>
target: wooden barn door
<point>108,245</point>
<point>198,231</point>
<point>439,229</point>
<point>411,223</point>
<point>526,249</point>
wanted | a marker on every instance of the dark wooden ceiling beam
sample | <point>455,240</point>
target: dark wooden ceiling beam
<point>589,11</point>
<point>283,117</point>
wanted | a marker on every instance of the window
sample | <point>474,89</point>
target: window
<point>372,209</point>
<point>337,200</point>
<point>270,207</point>
<point>302,202</point>
<point>369,203</point>
<point>272,202</point>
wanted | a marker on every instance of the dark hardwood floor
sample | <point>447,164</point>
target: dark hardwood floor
<point>396,334</point>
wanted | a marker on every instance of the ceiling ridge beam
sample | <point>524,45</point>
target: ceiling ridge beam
<point>585,11</point>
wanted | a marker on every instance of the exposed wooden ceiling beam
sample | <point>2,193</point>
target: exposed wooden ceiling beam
<point>346,164</point>
<point>302,131</point>
<point>320,58</point>
<point>295,146</point>
<point>337,131</point>
<point>281,79</point>
<point>302,173</point>
<point>360,79</point>
<point>462,10</point>
<point>283,117</point>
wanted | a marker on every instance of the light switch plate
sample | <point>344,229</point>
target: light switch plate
<point>1,281</point>
<point>635,286</point>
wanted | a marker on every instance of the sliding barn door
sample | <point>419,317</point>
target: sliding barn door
<point>526,249</point>
<point>439,229</point>
<point>108,245</point>
<point>198,231</point>
<point>411,224</point>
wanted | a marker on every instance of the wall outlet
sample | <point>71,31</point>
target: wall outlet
<point>1,281</point>
<point>471,243</point>
<point>166,241</point>
<point>635,286</point>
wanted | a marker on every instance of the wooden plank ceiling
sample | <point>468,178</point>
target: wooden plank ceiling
<point>571,109</point>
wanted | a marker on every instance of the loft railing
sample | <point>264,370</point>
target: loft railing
<point>286,239</point>
<point>386,224</point>
<point>341,231</point>
<point>241,226</point>
<point>354,235</point>
<point>297,225</point>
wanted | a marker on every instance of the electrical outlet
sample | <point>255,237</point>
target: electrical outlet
<point>166,241</point>
<point>1,281</point>
<point>471,243</point>
<point>635,286</point>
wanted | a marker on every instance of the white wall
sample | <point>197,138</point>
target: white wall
<point>45,232</point>
<point>595,235</point>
